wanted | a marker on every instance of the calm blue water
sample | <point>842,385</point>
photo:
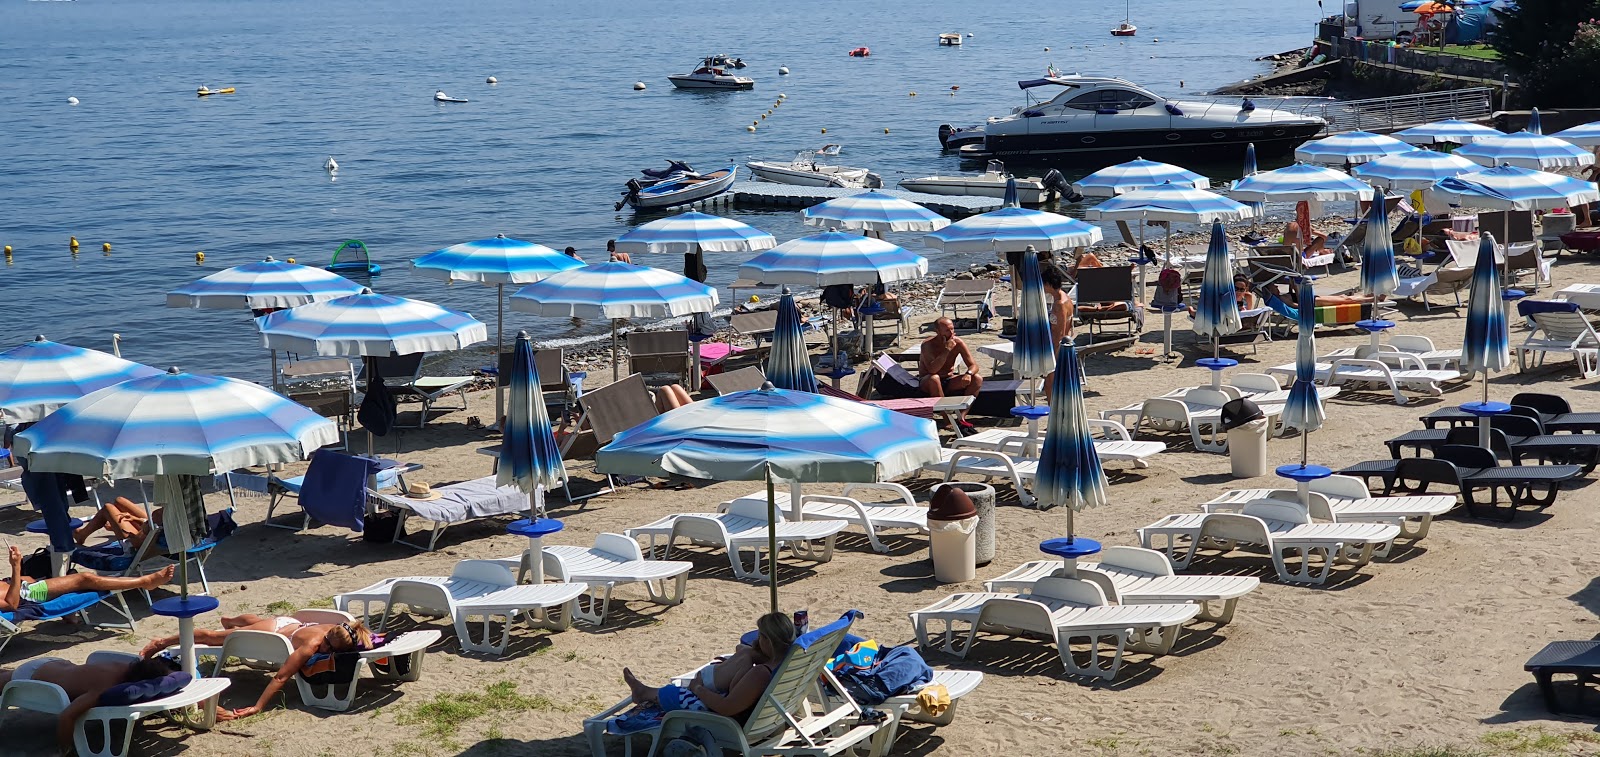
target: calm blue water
<point>159,173</point>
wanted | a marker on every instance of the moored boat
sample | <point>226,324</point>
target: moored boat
<point>992,183</point>
<point>710,76</point>
<point>678,189</point>
<point>805,171</point>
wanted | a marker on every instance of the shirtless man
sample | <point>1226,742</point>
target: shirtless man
<point>20,589</point>
<point>936,365</point>
<point>85,683</point>
<point>1060,310</point>
<point>1307,243</point>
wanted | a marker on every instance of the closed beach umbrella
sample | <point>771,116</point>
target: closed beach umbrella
<point>1249,170</point>
<point>1010,198</point>
<point>1069,473</point>
<point>1413,170</point>
<point>873,211</point>
<point>1013,230</point>
<point>615,291</point>
<point>1303,409</point>
<point>1300,182</point>
<point>1486,347</point>
<point>39,376</point>
<point>1534,126</point>
<point>1350,148</point>
<point>529,458</point>
<point>1587,135</point>
<point>1526,150</point>
<point>774,435</point>
<point>1451,131</point>
<point>1378,275</point>
<point>1138,174</point>
<point>788,364</point>
<point>1033,351</point>
<point>1216,313</point>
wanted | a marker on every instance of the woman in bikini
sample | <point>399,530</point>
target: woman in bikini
<point>731,687</point>
<point>308,640</point>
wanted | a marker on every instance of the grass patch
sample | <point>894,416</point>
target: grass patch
<point>1535,741</point>
<point>442,718</point>
<point>320,603</point>
<point>281,607</point>
<point>1481,52</point>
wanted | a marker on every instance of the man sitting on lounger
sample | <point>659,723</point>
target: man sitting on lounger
<point>22,594</point>
<point>1308,243</point>
<point>936,365</point>
<point>85,683</point>
<point>124,519</point>
<point>731,687</point>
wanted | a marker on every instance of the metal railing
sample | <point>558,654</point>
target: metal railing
<point>1382,114</point>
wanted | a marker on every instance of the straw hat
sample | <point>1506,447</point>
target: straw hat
<point>420,490</point>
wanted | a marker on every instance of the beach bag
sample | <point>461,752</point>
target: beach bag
<point>891,672</point>
<point>383,527</point>
<point>37,565</point>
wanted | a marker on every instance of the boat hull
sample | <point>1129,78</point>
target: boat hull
<point>1124,32</point>
<point>1028,193</point>
<point>683,190</point>
<point>1201,144</point>
<point>725,82</point>
<point>851,178</point>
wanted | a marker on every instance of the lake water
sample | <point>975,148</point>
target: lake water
<point>146,165</point>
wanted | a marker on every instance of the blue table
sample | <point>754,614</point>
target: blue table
<point>1375,327</point>
<point>184,609</point>
<point>39,527</point>
<point>1216,365</point>
<point>1484,411</point>
<point>1069,549</point>
<point>1302,476</point>
<point>535,529</point>
<point>1033,413</point>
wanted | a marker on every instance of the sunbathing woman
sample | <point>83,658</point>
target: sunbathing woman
<point>733,686</point>
<point>20,592</point>
<point>308,639</point>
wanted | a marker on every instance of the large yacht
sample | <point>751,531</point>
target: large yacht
<point>1096,117</point>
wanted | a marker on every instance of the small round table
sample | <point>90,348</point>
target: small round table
<point>1033,413</point>
<point>535,529</point>
<point>1217,365</point>
<point>184,609</point>
<point>1166,327</point>
<point>1302,476</point>
<point>870,311</point>
<point>39,526</point>
<point>1069,549</point>
<point>1375,327</point>
<point>1484,411</point>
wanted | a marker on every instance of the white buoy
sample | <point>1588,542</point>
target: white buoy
<point>332,166</point>
<point>1047,49</point>
<point>491,80</point>
<point>72,101</point>
<point>750,128</point>
<point>783,70</point>
<point>1157,39</point>
<point>638,86</point>
<point>969,35</point>
<point>782,96</point>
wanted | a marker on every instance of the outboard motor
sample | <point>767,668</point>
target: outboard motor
<point>944,134</point>
<point>631,195</point>
<point>873,181</point>
<point>1057,185</point>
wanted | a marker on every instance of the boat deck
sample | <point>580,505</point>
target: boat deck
<point>761,193</point>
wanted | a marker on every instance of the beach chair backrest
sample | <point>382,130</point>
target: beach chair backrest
<point>658,342</point>
<point>1569,328</point>
<point>1513,225</point>
<point>398,370</point>
<point>1466,456</point>
<point>617,407</point>
<point>618,545</point>
<point>1136,559</point>
<point>783,704</point>
<point>334,491</point>
<point>1256,382</point>
<point>891,368</point>
<point>1411,343</point>
<point>1271,509</point>
<point>1107,284</point>
<point>550,363</point>
<point>1413,474</point>
<point>968,286</point>
<point>1553,404</point>
<point>1348,487</point>
<point>743,380</point>
<point>754,324</point>
<point>1516,425</point>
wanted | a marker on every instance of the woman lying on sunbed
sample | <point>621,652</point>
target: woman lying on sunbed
<point>731,687</point>
<point>22,594</point>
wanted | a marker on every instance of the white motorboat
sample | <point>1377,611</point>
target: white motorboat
<point>992,183</point>
<point>950,40</point>
<point>710,76</point>
<point>805,171</point>
<point>1095,118</point>
<point>441,97</point>
<point>677,188</point>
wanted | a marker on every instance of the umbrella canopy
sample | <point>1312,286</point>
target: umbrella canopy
<point>1033,351</point>
<point>1170,202</point>
<point>1138,174</point>
<point>528,454</point>
<point>1013,230</point>
<point>1512,188</point>
<point>1526,150</point>
<point>1216,314</point>
<point>694,232</point>
<point>1587,135</point>
<point>1430,7</point>
<point>834,257</point>
<point>788,364</point>
<point>259,286</point>
<point>873,211</point>
<point>370,324</point>
<point>1412,170</point>
<point>1487,344</point>
<point>494,261</point>
<point>1069,473</point>
<point>615,290</point>
<point>39,376</point>
<point>1449,131</point>
<point>1303,409</point>
<point>1378,275</point>
<point>174,423</point>
<point>1300,182</point>
<point>1350,147</point>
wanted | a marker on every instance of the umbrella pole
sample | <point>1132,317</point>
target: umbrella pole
<point>499,349</point>
<point>795,500</point>
<point>273,361</point>
<point>614,366</point>
<point>185,623</point>
<point>1144,294</point>
<point>833,358</point>
<point>772,540</point>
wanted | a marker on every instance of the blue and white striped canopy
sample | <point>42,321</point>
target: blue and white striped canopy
<point>494,261</point>
<point>1298,182</point>
<point>615,290</point>
<point>1487,344</point>
<point>1587,135</point>
<point>1069,473</point>
<point>1534,125</point>
<point>873,211</point>
<point>1378,275</point>
<point>1526,150</point>
<point>1303,409</point>
<point>528,454</point>
<point>798,436</point>
<point>1136,174</point>
<point>39,376</point>
<point>834,257</point>
<point>1511,188</point>
<point>692,232</point>
<point>789,362</point>
<point>1412,170</point>
<point>1013,230</point>
<point>267,284</point>
<point>1451,131</point>
<point>1350,147</point>
<point>174,423</point>
<point>1249,170</point>
<point>1216,313</point>
<point>1170,202</point>
<point>1033,352</point>
<point>369,324</point>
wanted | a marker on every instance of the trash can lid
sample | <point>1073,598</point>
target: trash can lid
<point>950,503</point>
<point>1236,413</point>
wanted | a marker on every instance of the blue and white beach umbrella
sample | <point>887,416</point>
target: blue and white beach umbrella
<point>1170,202</point>
<point>529,458</point>
<point>1300,182</point>
<point>1249,170</point>
<point>1526,150</point>
<point>1014,230</point>
<point>873,211</point>
<point>1413,170</point>
<point>1486,347</point>
<point>1069,473</point>
<point>369,324</point>
<point>1349,148</point>
<point>1378,275</point>
<point>1136,174</point>
<point>500,260</point>
<point>1511,188</point>
<point>834,257</point>
<point>1033,351</point>
<point>1303,409</point>
<point>1216,313</point>
<point>1449,131</point>
<point>1534,125</point>
<point>39,376</point>
<point>788,363</point>
<point>1587,135</point>
<point>694,232</point>
<point>258,286</point>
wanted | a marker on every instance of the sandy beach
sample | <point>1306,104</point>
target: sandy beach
<point>1419,653</point>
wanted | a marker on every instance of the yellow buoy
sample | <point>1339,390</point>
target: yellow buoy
<point>106,246</point>
<point>199,257</point>
<point>824,131</point>
<point>291,261</point>
<point>763,116</point>
<point>72,242</point>
<point>8,250</point>
<point>913,94</point>
<point>885,131</point>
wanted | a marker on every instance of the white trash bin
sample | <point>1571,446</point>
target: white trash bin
<point>1247,449</point>
<point>954,548</point>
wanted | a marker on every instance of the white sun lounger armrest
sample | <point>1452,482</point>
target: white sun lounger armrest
<point>1109,429</point>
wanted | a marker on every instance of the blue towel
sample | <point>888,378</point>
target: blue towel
<point>1283,308</point>
<point>59,607</point>
<point>1534,307</point>
<point>899,670</point>
<point>335,489</point>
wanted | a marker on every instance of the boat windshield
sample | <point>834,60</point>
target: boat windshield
<point>1115,99</point>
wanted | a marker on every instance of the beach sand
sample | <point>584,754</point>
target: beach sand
<point>1423,649</point>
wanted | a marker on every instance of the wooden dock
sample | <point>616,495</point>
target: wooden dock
<point>767,194</point>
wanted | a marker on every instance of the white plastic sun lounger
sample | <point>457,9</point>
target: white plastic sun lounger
<point>614,560</point>
<point>1401,345</point>
<point>476,588</point>
<point>1117,444</point>
<point>1368,371</point>
<point>112,727</point>
<point>1195,411</point>
<point>1135,576</point>
<point>1345,499</point>
<point>1284,528</point>
<point>900,513</point>
<point>903,708</point>
<point>742,528</point>
<point>1022,470</point>
<point>1061,609</point>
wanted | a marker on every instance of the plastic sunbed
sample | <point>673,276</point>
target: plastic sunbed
<point>1285,529</point>
<point>614,560</point>
<point>1346,499</point>
<point>1470,469</point>
<point>902,513</point>
<point>742,528</point>
<point>1136,576</point>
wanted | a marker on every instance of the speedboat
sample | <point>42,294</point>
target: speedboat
<point>679,189</point>
<point>1095,117</point>
<point>805,171</point>
<point>726,60</point>
<point>992,183</point>
<point>1125,29</point>
<point>950,40</point>
<point>710,76</point>
<point>441,97</point>
<point>954,137</point>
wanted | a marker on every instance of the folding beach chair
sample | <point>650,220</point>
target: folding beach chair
<point>403,375</point>
<point>660,353</point>
<point>555,386</point>
<point>966,293</point>
<point>1105,296</point>
<point>334,489</point>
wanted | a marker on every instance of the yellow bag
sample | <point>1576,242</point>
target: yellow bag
<point>934,699</point>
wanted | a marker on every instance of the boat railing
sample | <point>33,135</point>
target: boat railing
<point>1383,114</point>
